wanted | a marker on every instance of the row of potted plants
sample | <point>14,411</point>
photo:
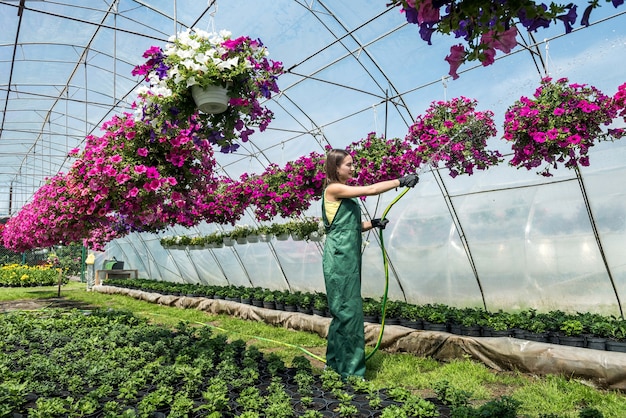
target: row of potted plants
<point>587,330</point>
<point>109,363</point>
<point>310,229</point>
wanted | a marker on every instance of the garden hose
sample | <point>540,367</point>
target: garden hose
<point>386,266</point>
<point>256,337</point>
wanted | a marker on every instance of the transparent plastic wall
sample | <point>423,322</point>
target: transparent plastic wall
<point>501,239</point>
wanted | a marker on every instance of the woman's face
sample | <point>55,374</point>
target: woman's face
<point>345,169</point>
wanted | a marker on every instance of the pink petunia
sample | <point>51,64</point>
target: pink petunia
<point>539,137</point>
<point>488,57</point>
<point>140,169</point>
<point>455,59</point>
<point>427,13</point>
<point>574,139</point>
<point>503,41</point>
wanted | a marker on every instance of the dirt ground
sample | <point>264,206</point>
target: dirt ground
<point>35,304</point>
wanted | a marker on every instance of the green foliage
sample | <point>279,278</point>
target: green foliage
<point>571,327</point>
<point>415,406</point>
<point>393,411</point>
<point>589,412</point>
<point>371,307</point>
<point>547,395</point>
<point>451,396</point>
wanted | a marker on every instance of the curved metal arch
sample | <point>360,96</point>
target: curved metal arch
<point>596,235</point>
<point>460,232</point>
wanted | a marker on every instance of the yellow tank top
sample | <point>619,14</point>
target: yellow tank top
<point>331,208</point>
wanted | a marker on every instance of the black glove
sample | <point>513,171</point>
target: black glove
<point>380,223</point>
<point>410,180</point>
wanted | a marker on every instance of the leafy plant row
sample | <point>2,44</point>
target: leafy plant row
<point>303,229</point>
<point>110,363</point>
<point>553,322</point>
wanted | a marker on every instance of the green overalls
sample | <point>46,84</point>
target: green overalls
<point>342,275</point>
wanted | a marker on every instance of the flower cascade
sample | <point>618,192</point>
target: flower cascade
<point>145,176</point>
<point>487,26</point>
<point>287,191</point>
<point>378,159</point>
<point>559,124</point>
<point>196,57</point>
<point>52,217</point>
<point>148,179</point>
<point>454,133</point>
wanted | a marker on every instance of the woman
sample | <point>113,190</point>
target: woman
<point>341,214</point>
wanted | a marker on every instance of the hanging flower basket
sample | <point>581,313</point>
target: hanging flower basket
<point>315,237</point>
<point>198,59</point>
<point>253,238</point>
<point>242,240</point>
<point>282,237</point>
<point>558,125</point>
<point>297,237</point>
<point>211,99</point>
<point>229,242</point>
<point>265,237</point>
<point>454,134</point>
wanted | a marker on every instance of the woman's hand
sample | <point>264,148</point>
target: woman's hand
<point>380,223</point>
<point>410,180</point>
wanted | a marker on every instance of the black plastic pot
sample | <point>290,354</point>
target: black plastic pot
<point>595,343</point>
<point>572,341</point>
<point>619,346</point>
<point>429,326</point>
<point>371,318</point>
<point>471,330</point>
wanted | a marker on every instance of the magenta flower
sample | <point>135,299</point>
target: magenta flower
<point>461,146</point>
<point>455,59</point>
<point>559,125</point>
<point>503,41</point>
<point>486,26</point>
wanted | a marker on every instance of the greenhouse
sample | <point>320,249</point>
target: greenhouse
<point>509,113</point>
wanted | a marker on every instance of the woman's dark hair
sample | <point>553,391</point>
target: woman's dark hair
<point>334,158</point>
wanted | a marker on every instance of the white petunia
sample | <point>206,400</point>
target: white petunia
<point>201,58</point>
<point>161,91</point>
<point>142,90</point>
<point>191,81</point>
<point>202,33</point>
<point>228,64</point>
<point>186,54</point>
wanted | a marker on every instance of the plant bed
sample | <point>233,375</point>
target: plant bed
<point>526,325</point>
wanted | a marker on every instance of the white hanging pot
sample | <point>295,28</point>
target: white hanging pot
<point>212,99</point>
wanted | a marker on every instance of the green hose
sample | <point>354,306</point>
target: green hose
<point>256,337</point>
<point>386,265</point>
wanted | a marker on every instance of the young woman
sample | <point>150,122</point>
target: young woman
<point>341,214</point>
